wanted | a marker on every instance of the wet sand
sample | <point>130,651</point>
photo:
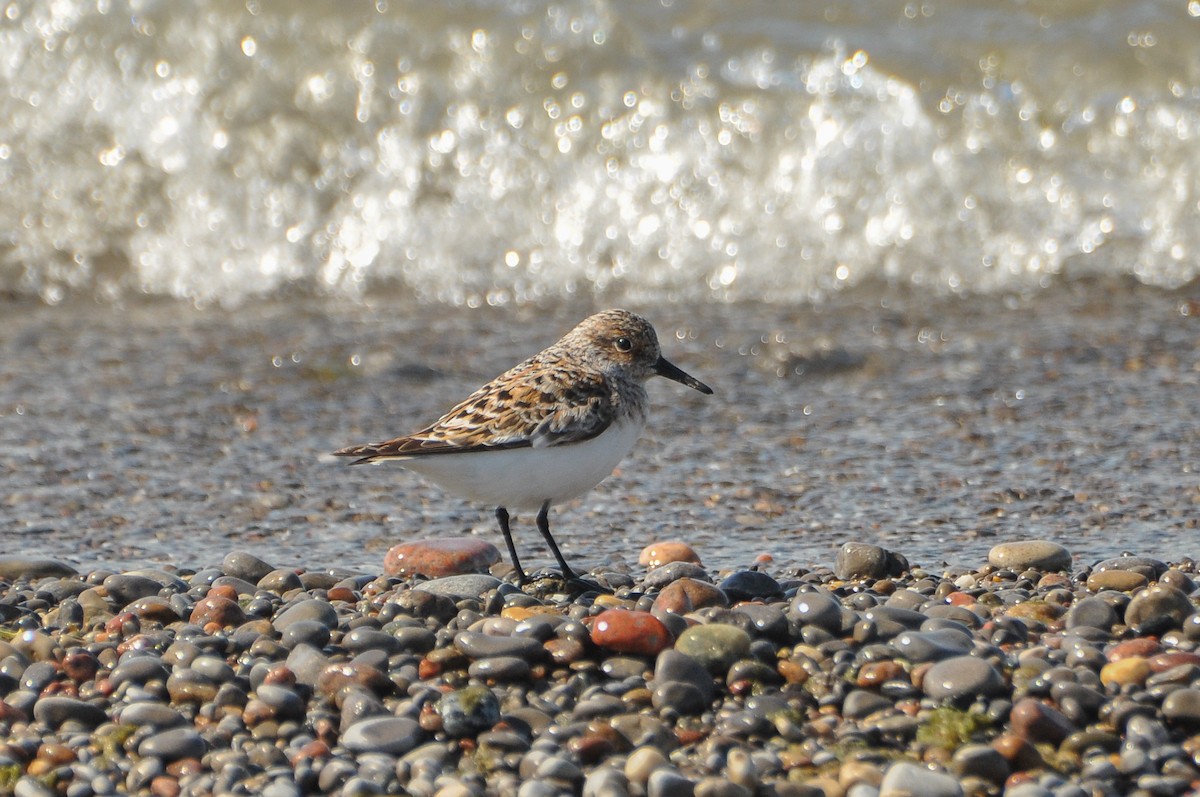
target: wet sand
<point>152,433</point>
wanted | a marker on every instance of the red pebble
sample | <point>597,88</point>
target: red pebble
<point>625,631</point>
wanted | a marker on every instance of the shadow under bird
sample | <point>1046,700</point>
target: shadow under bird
<point>544,431</point>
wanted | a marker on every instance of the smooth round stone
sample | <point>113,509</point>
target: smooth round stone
<point>391,735</point>
<point>625,631</point>
<point>308,609</point>
<point>1034,720</point>
<point>1116,580</point>
<point>280,581</point>
<point>861,703</point>
<point>415,640</point>
<point>745,585</point>
<point>1150,568</point>
<point>482,646</point>
<point>922,646</point>
<point>500,668</point>
<point>666,782</point>
<point>664,552</point>
<point>714,646</point>
<point>362,639</point>
<point>154,608</point>
<point>1155,602</point>
<point>468,711</point>
<point>1132,670</point>
<point>152,715</point>
<point>284,702</point>
<point>1092,612</point>
<point>660,577</point>
<point>139,670</point>
<point>769,621</point>
<point>240,586</point>
<point>13,568</point>
<point>980,761</point>
<point>961,677</point>
<point>436,558</point>
<point>1182,707</point>
<point>674,666</point>
<point>305,632</point>
<point>860,560</point>
<point>687,594</point>
<point>469,585</point>
<point>54,711</point>
<point>173,744</point>
<point>683,698</point>
<point>606,781</point>
<point>216,609</point>
<point>245,565</point>
<point>903,779</point>
<point>642,763</point>
<point>307,663</point>
<point>124,589</point>
<point>1030,555</point>
<point>817,609</point>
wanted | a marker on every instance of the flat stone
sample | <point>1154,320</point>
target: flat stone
<point>436,558</point>
<point>173,744</point>
<point>962,677</point>
<point>124,589</point>
<point>55,711</point>
<point>469,585</point>
<point>745,585</point>
<point>1030,555</point>
<point>1148,567</point>
<point>391,735</point>
<point>482,646</point>
<point>15,567</point>
<point>625,631</point>
<point>307,609</point>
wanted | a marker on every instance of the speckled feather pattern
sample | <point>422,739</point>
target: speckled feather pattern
<point>570,392</point>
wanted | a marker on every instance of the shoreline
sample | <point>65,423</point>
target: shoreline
<point>868,677</point>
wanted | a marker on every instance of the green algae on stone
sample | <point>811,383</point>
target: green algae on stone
<point>950,728</point>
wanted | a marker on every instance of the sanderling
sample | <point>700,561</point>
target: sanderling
<point>547,430</point>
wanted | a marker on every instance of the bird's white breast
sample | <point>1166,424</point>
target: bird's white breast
<point>525,478</point>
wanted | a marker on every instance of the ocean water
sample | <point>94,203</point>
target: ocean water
<point>937,259</point>
<point>505,151</point>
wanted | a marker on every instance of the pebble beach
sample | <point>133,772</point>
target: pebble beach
<point>1027,675</point>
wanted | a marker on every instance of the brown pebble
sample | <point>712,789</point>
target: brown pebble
<point>1140,647</point>
<point>436,558</point>
<point>165,786</point>
<point>689,592</point>
<point>1033,720</point>
<point>1020,754</point>
<point>876,673</point>
<point>219,611</point>
<point>657,554</point>
<point>80,665</point>
<point>1117,580</point>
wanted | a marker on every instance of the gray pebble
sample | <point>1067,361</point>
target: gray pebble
<point>468,585</point>
<point>962,677</point>
<point>173,744</point>
<point>482,646</point>
<point>55,711</point>
<point>391,735</point>
<point>1030,555</point>
<point>245,565</point>
<point>903,779</point>
<point>309,609</point>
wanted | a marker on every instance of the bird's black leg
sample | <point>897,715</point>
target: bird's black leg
<point>502,518</point>
<point>543,524</point>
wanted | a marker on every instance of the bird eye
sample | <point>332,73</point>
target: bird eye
<point>624,344</point>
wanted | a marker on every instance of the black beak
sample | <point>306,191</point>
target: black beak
<point>674,373</point>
